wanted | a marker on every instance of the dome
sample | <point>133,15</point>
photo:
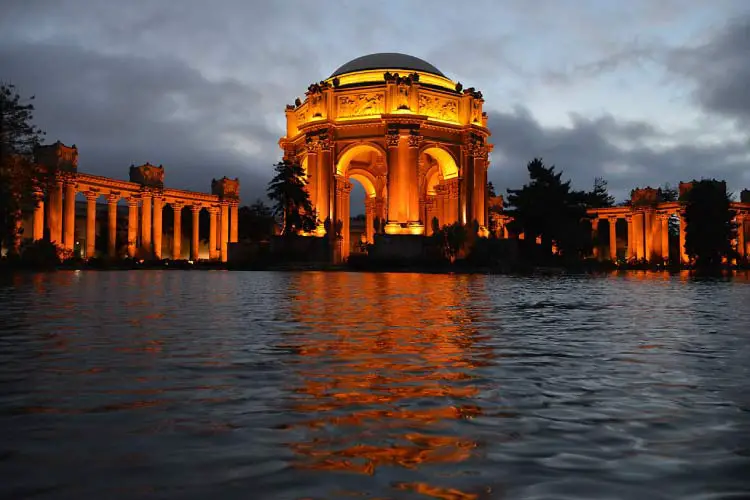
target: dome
<point>387,60</point>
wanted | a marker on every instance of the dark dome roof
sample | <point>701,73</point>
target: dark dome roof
<point>387,60</point>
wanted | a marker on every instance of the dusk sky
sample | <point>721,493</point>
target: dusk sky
<point>640,92</point>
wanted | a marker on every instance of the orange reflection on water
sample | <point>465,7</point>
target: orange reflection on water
<point>387,366</point>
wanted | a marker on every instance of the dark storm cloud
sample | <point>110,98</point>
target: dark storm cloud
<point>621,152</point>
<point>120,110</point>
<point>720,69</point>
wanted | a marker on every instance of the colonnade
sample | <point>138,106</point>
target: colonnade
<point>55,213</point>
<point>648,231</point>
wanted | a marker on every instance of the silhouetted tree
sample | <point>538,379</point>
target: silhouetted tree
<point>452,239</point>
<point>599,196</point>
<point>546,207</point>
<point>667,193</point>
<point>255,221</point>
<point>19,174</point>
<point>292,201</point>
<point>710,229</point>
<point>491,190</point>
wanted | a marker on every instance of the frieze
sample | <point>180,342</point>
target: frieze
<point>365,104</point>
<point>440,108</point>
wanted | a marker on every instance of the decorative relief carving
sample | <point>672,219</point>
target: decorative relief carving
<point>325,143</point>
<point>366,104</point>
<point>415,140</point>
<point>148,175</point>
<point>226,188</point>
<point>440,108</point>
<point>476,111</point>
<point>392,140</point>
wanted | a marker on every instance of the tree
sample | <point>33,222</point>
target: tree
<point>710,230</point>
<point>292,201</point>
<point>491,190</point>
<point>599,196</point>
<point>19,174</point>
<point>667,193</point>
<point>255,221</point>
<point>452,239</point>
<point>547,208</point>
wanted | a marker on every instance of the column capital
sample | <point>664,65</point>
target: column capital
<point>612,218</point>
<point>325,143</point>
<point>113,198</point>
<point>133,201</point>
<point>415,140</point>
<point>195,208</point>
<point>177,205</point>
<point>91,195</point>
<point>392,139</point>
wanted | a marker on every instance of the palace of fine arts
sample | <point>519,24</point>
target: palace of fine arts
<point>418,144</point>
<point>342,250</point>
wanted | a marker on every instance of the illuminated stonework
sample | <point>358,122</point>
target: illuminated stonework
<point>414,139</point>
<point>55,215</point>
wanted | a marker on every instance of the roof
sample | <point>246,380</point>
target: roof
<point>387,60</point>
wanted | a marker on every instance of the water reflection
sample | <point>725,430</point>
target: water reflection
<point>390,375</point>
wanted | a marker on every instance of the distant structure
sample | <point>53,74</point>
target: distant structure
<point>640,230</point>
<point>147,197</point>
<point>415,140</point>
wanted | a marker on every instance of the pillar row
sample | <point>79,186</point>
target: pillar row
<point>157,223</point>
<point>177,231</point>
<point>212,231</point>
<point>38,225</point>
<point>224,241</point>
<point>195,241</point>
<point>69,217</point>
<point>112,216</point>
<point>91,224</point>
<point>613,238</point>
<point>132,226</point>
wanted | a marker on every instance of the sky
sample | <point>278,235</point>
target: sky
<point>644,92</point>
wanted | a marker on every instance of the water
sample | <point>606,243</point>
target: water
<point>192,385</point>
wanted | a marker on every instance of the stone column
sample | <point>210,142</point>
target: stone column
<point>397,199</point>
<point>370,219</point>
<point>631,237</point>
<point>479,186</point>
<point>613,238</point>
<point>234,222</point>
<point>683,231</point>
<point>453,202</point>
<point>54,219</point>
<point>213,231</point>
<point>325,180</point>
<point>312,172</point>
<point>665,236</point>
<point>132,226</point>
<point>69,223</point>
<point>638,219</point>
<point>411,176</point>
<point>346,199</point>
<point>91,224</point>
<point>649,230</point>
<point>38,226</point>
<point>595,236</point>
<point>177,231</point>
<point>112,219</point>
<point>224,241</point>
<point>741,245</point>
<point>146,222</point>
<point>157,229</point>
<point>195,241</point>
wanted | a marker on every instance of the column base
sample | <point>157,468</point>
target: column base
<point>413,228</point>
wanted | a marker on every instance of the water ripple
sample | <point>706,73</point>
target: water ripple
<point>405,386</point>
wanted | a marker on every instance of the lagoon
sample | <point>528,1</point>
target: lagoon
<point>290,385</point>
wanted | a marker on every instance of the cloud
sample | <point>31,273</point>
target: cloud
<point>720,70</point>
<point>626,153</point>
<point>123,109</point>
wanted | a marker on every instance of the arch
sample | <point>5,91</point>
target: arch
<point>367,180</point>
<point>352,150</point>
<point>431,179</point>
<point>448,167</point>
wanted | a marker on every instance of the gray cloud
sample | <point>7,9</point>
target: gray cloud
<point>619,151</point>
<point>122,109</point>
<point>720,69</point>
